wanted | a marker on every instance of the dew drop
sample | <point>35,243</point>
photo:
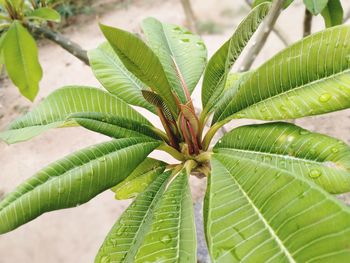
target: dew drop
<point>325,97</point>
<point>114,242</point>
<point>165,239</point>
<point>120,231</point>
<point>283,108</point>
<point>304,132</point>
<point>315,173</point>
<point>334,150</point>
<point>105,259</point>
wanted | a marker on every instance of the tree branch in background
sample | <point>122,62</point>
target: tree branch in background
<point>60,40</point>
<point>307,23</point>
<point>262,35</point>
<point>191,21</point>
<point>276,29</point>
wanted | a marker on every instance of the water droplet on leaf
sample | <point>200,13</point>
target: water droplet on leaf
<point>325,97</point>
<point>165,239</point>
<point>315,173</point>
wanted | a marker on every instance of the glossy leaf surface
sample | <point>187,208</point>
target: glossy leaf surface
<point>222,61</point>
<point>320,158</point>
<point>59,105</point>
<point>114,76</point>
<point>172,43</point>
<point>308,78</point>
<point>73,180</point>
<point>256,212</point>
<point>140,60</point>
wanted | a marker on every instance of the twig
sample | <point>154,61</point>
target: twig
<point>190,17</point>
<point>262,35</point>
<point>307,23</point>
<point>276,29</point>
<point>60,40</point>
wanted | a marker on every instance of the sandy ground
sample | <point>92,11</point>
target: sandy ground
<point>74,235</point>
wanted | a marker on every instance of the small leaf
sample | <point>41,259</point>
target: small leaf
<point>222,61</point>
<point>174,42</point>
<point>333,13</point>
<point>191,117</point>
<point>316,6</point>
<point>320,158</point>
<point>139,179</point>
<point>300,81</point>
<point>114,76</point>
<point>140,60</point>
<point>44,13</point>
<point>59,105</point>
<point>113,126</point>
<point>256,212</point>
<point>73,180</point>
<point>21,60</point>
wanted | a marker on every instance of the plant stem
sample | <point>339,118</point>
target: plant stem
<point>172,151</point>
<point>60,40</point>
<point>165,123</point>
<point>190,17</point>
<point>210,134</point>
<point>307,23</point>
<point>262,34</point>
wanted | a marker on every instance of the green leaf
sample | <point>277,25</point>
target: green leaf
<point>140,60</point>
<point>333,13</point>
<point>256,212</point>
<point>299,81</point>
<point>124,239</point>
<point>73,180</point>
<point>161,226</point>
<point>44,13</point>
<point>59,105</point>
<point>21,60</point>
<point>174,43</point>
<point>114,77</point>
<point>114,126</point>
<point>315,6</point>
<point>320,158</point>
<point>258,2</point>
<point>139,179</point>
<point>222,61</point>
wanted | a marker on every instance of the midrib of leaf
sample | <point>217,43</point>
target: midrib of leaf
<point>21,55</point>
<point>286,157</point>
<point>168,45</point>
<point>67,173</point>
<point>258,212</point>
<point>294,89</point>
<point>179,228</point>
<point>144,226</point>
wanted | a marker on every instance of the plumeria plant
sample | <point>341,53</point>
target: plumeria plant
<point>271,186</point>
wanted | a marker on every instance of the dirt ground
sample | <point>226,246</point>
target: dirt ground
<point>74,235</point>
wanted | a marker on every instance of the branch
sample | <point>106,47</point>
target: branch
<point>262,35</point>
<point>307,23</point>
<point>60,40</point>
<point>190,17</point>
